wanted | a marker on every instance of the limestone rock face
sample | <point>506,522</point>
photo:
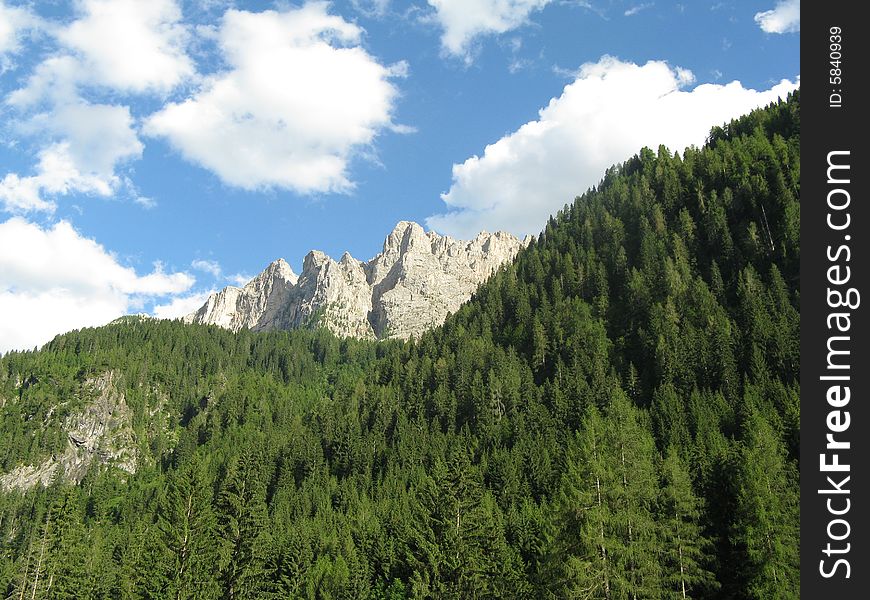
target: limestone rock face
<point>418,279</point>
<point>258,305</point>
<point>101,431</point>
<point>421,277</point>
<point>338,290</point>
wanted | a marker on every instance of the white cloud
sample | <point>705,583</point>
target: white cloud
<point>145,202</point>
<point>85,145</point>
<point>126,46</point>
<point>465,20</point>
<point>130,45</point>
<point>240,279</point>
<point>182,305</point>
<point>207,266</point>
<point>785,17</point>
<point>606,115</point>
<point>41,316</point>
<point>100,136</point>
<point>53,280</point>
<point>53,81</point>
<point>14,21</point>
<point>299,99</point>
<point>56,173</point>
<point>638,8</point>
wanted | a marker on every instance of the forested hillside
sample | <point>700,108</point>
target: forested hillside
<point>614,415</point>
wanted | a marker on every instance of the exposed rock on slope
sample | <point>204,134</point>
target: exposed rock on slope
<point>412,285</point>
<point>101,431</point>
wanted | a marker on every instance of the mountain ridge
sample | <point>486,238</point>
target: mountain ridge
<point>411,285</point>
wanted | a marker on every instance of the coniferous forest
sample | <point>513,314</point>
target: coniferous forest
<point>614,415</point>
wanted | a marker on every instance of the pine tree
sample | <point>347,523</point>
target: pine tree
<point>68,550</point>
<point>243,520</point>
<point>187,525</point>
<point>634,491</point>
<point>766,520</point>
<point>669,418</point>
<point>582,518</point>
<point>459,521</point>
<point>539,343</point>
<point>684,547</point>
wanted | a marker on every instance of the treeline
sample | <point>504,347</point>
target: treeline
<point>614,415</point>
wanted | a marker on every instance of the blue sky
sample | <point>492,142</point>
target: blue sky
<point>153,151</point>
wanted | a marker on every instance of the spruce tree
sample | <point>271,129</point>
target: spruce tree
<point>684,548</point>
<point>187,526</point>
<point>766,520</point>
<point>243,522</point>
<point>580,544</point>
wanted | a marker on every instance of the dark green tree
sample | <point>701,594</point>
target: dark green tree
<point>243,522</point>
<point>187,525</point>
<point>685,549</point>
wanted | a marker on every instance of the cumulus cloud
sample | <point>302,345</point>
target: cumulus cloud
<point>610,111</point>
<point>465,20</point>
<point>785,17</point>
<point>99,135</point>
<point>182,305</point>
<point>122,46</point>
<point>130,45</point>
<point>212,267</point>
<point>56,174</point>
<point>14,22</point>
<point>125,46</point>
<point>54,280</point>
<point>85,145</point>
<point>299,98</point>
<point>53,81</point>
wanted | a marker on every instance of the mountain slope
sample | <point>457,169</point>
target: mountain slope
<point>615,414</point>
<point>418,279</point>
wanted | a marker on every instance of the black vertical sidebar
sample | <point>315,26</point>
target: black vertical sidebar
<point>835,300</point>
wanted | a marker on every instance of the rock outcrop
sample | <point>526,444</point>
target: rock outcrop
<point>101,431</point>
<point>418,279</point>
<point>255,306</point>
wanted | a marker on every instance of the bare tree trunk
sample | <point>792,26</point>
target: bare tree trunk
<point>26,571</point>
<point>682,572</point>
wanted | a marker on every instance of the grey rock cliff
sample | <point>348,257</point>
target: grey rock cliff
<point>255,306</point>
<point>101,431</point>
<point>413,284</point>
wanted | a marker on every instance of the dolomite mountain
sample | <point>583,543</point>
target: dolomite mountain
<point>418,279</point>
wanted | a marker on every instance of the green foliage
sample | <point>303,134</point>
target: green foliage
<point>614,415</point>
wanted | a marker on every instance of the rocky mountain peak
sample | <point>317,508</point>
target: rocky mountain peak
<point>278,269</point>
<point>277,275</point>
<point>405,236</point>
<point>418,279</point>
